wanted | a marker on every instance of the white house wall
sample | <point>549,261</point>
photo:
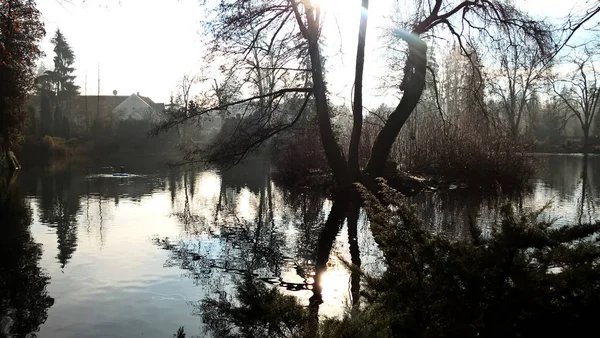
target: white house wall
<point>134,108</point>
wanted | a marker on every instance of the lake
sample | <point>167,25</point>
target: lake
<point>133,256</point>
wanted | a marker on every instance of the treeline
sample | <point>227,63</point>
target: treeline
<point>472,107</point>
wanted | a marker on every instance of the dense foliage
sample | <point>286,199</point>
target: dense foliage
<point>524,278</point>
<point>21,30</point>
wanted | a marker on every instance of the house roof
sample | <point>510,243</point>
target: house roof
<point>147,100</point>
<point>80,105</point>
<point>133,102</point>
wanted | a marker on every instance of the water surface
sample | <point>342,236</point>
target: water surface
<point>133,256</point>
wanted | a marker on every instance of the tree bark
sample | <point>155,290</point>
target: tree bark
<point>333,152</point>
<point>413,88</point>
<point>353,154</point>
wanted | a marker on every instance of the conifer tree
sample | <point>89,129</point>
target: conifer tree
<point>61,76</point>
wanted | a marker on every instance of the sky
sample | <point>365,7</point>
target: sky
<point>144,46</point>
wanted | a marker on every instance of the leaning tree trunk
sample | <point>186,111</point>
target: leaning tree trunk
<point>333,152</point>
<point>414,84</point>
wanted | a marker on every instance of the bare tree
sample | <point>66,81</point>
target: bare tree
<point>521,71</point>
<point>580,92</point>
<point>294,27</point>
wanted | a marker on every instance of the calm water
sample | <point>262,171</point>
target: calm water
<point>127,257</point>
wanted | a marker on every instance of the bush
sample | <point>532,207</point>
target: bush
<point>473,157</point>
<point>57,146</point>
<point>524,279</point>
<point>300,159</point>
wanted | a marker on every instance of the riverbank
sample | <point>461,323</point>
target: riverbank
<point>43,151</point>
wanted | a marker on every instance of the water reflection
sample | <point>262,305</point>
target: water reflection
<point>572,184</point>
<point>569,183</point>
<point>586,205</point>
<point>281,236</point>
<point>288,238</point>
<point>98,231</point>
<point>24,300</point>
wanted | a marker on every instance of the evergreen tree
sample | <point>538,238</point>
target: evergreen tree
<point>44,85</point>
<point>21,30</point>
<point>61,76</point>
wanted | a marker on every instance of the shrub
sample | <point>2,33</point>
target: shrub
<point>473,157</point>
<point>299,157</point>
<point>525,279</point>
<point>56,145</point>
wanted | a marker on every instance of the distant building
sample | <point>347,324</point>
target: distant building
<point>82,110</point>
<point>138,107</point>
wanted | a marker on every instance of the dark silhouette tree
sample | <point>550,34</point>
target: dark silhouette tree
<point>21,30</point>
<point>66,128</point>
<point>33,121</point>
<point>24,300</point>
<point>294,26</point>
<point>44,84</point>
<point>61,76</point>
<point>580,93</point>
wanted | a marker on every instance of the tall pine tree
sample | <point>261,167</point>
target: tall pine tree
<point>61,76</point>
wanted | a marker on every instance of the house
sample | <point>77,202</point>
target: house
<point>138,107</point>
<point>82,110</point>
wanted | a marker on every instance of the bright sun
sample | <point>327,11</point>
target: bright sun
<point>338,8</point>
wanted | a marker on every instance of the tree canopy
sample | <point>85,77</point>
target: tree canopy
<point>21,30</point>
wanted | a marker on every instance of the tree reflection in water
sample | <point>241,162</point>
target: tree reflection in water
<point>289,240</point>
<point>286,242</point>
<point>586,208</point>
<point>24,300</point>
